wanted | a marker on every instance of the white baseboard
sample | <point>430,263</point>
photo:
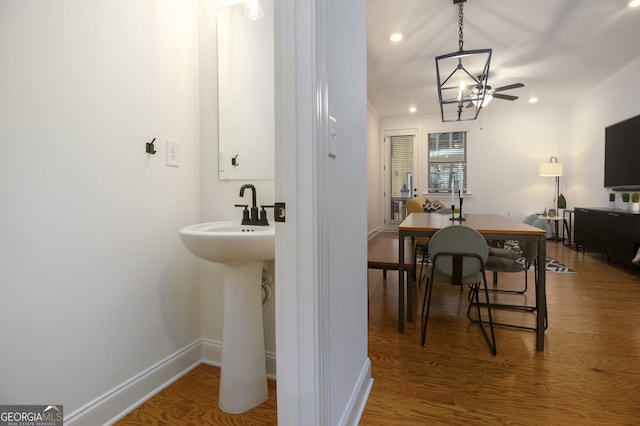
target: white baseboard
<point>212,354</point>
<point>358,400</point>
<point>373,233</point>
<point>115,404</point>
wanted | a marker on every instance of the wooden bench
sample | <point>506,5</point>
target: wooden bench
<point>383,253</point>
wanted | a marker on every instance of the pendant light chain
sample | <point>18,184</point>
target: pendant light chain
<point>463,87</point>
<point>460,25</point>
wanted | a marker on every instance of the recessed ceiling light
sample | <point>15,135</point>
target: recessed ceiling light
<point>395,37</point>
<point>634,3</point>
<point>413,109</point>
<point>533,100</point>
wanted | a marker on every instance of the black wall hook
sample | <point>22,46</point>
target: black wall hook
<point>150,148</point>
<point>234,161</point>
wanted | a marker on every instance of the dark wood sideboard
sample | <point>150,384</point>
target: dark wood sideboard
<point>613,233</point>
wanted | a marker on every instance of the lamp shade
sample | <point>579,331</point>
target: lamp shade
<point>550,169</point>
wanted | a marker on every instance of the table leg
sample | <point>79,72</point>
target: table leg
<point>566,233</point>
<point>568,227</point>
<point>400,283</point>
<point>541,293</point>
<point>409,305</point>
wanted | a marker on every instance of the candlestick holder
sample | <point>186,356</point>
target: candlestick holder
<point>460,218</point>
<point>453,212</point>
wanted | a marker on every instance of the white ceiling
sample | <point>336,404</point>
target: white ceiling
<point>557,48</point>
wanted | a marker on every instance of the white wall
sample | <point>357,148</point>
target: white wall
<point>510,146</point>
<point>614,100</point>
<point>95,285</point>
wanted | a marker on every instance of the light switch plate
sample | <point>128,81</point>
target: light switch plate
<point>173,153</point>
<point>333,136</point>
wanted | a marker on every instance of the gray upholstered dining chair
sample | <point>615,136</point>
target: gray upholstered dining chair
<point>458,254</point>
<point>511,254</point>
<point>497,264</point>
<point>506,260</point>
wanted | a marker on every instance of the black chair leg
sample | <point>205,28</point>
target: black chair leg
<point>492,342</point>
<point>423,262</point>
<point>523,291</point>
<point>426,303</point>
<point>474,300</point>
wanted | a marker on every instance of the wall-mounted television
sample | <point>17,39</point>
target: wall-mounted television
<point>622,154</point>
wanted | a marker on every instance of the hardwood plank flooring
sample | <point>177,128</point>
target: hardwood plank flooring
<point>193,400</point>
<point>589,372</point>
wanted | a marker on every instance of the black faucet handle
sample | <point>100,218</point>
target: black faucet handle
<point>245,213</point>
<point>263,214</point>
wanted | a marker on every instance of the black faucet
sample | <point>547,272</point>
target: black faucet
<point>251,217</point>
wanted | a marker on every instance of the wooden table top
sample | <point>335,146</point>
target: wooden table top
<point>483,223</point>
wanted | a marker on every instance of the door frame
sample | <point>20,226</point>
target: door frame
<point>301,110</point>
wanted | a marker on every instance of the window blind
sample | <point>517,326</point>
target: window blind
<point>401,162</point>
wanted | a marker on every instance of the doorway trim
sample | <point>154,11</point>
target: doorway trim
<point>301,111</point>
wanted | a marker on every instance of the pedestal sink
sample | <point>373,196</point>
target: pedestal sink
<point>242,249</point>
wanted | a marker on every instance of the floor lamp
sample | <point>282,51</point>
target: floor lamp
<point>552,168</point>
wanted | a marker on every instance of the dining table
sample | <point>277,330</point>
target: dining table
<point>493,227</point>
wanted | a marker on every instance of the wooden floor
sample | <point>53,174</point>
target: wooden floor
<point>588,374</point>
<point>193,400</point>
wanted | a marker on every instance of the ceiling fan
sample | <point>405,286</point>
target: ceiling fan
<point>503,88</point>
<point>493,93</point>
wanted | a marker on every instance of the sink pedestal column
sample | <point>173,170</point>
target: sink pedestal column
<point>243,371</point>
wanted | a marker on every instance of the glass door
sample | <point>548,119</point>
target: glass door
<point>400,150</point>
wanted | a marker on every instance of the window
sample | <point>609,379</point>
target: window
<point>447,162</point>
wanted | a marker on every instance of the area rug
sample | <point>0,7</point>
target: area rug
<point>552,265</point>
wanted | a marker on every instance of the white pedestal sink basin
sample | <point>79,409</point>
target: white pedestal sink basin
<point>230,242</point>
<point>242,249</point>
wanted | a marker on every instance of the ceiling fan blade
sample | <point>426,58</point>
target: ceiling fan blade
<point>509,87</point>
<point>505,97</point>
